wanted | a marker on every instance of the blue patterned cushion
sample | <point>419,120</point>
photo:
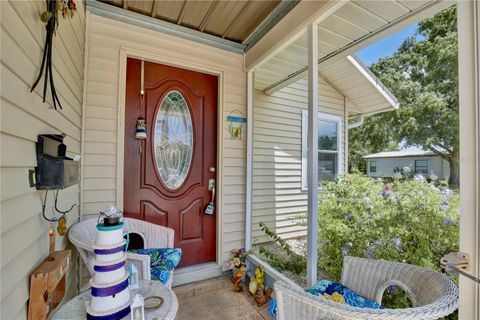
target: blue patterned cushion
<point>337,292</point>
<point>162,261</point>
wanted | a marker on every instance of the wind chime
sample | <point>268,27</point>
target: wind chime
<point>50,18</point>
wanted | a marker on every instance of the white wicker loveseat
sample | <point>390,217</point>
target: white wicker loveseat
<point>432,294</point>
<point>83,235</point>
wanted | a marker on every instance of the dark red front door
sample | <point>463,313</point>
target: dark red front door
<point>167,175</point>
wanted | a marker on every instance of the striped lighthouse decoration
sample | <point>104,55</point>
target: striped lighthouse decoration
<point>110,291</point>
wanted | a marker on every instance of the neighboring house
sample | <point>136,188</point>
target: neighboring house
<point>383,164</point>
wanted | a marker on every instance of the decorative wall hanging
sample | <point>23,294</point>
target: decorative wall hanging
<point>48,285</point>
<point>50,18</point>
<point>141,129</point>
<point>236,124</point>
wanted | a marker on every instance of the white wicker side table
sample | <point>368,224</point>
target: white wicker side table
<point>75,308</point>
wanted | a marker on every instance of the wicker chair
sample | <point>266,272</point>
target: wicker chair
<point>83,235</point>
<point>432,294</point>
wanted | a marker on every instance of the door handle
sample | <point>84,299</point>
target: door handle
<point>211,206</point>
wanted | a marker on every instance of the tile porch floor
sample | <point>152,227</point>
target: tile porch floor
<point>214,299</point>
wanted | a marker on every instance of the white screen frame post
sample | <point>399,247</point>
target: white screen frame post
<point>312,163</point>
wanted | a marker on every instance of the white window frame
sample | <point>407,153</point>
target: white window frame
<point>321,117</point>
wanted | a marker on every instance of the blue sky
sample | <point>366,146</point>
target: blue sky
<point>385,46</point>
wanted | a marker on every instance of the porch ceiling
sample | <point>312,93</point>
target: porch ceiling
<point>231,20</point>
<point>353,26</point>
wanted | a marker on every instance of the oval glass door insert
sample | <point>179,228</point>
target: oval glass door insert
<point>173,140</point>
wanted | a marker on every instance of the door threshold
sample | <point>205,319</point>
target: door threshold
<point>196,273</point>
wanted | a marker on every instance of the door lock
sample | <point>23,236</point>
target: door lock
<point>211,184</point>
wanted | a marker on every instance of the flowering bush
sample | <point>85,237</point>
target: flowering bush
<point>410,221</point>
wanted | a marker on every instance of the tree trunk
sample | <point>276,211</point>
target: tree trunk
<point>454,179</point>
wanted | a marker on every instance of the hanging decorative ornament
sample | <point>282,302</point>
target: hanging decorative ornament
<point>141,129</point>
<point>50,18</point>
<point>236,125</point>
<point>62,226</point>
<point>51,250</point>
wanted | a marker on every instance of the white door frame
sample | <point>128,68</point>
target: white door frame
<point>179,63</point>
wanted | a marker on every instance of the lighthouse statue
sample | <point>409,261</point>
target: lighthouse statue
<point>110,292</point>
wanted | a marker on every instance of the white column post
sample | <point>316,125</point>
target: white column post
<point>345,135</point>
<point>248,182</point>
<point>312,156</point>
<point>468,13</point>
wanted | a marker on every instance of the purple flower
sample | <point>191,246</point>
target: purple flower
<point>377,243</point>
<point>419,178</point>
<point>447,192</point>
<point>397,241</point>
<point>446,222</point>
<point>370,208</point>
<point>345,249</point>
<point>392,289</point>
<point>367,200</point>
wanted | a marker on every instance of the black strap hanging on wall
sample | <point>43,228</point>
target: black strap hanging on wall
<point>50,18</point>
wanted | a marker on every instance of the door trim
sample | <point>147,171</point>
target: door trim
<point>125,53</point>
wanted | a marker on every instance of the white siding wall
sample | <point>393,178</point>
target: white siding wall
<point>277,176</point>
<point>105,39</point>
<point>24,234</point>
<point>385,166</point>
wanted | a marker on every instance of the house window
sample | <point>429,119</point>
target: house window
<point>329,146</point>
<point>373,166</point>
<point>421,166</point>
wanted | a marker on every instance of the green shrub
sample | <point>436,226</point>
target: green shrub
<point>410,221</point>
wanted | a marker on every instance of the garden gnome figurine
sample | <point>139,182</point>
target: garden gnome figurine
<point>238,277</point>
<point>252,286</point>
<point>262,297</point>
<point>260,275</point>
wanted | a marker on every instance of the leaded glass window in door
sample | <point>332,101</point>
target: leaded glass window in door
<point>173,139</point>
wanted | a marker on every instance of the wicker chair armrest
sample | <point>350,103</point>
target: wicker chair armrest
<point>295,303</point>
<point>142,262</point>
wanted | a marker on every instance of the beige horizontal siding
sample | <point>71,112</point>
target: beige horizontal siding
<point>23,233</point>
<point>278,199</point>
<point>106,37</point>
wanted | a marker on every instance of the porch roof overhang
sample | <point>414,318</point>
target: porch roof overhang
<point>344,27</point>
<point>353,79</point>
